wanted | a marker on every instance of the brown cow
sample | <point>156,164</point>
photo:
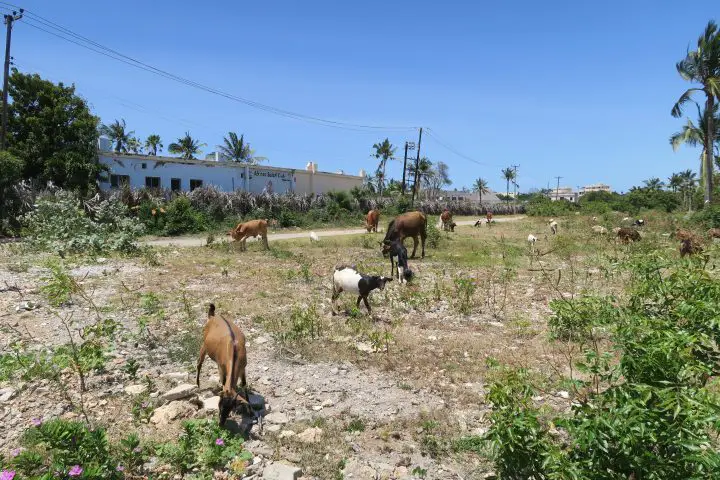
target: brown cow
<point>681,234</point>
<point>410,224</point>
<point>626,235</point>
<point>690,246</point>
<point>372,220</point>
<point>489,218</point>
<point>446,219</point>
<point>252,228</point>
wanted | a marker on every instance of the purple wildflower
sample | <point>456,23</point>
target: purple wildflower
<point>16,452</point>
<point>36,421</point>
<point>220,442</point>
<point>7,475</point>
<point>137,450</point>
<point>120,468</point>
<point>75,471</point>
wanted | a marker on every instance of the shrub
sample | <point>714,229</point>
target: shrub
<point>540,205</point>
<point>709,216</point>
<point>574,319</point>
<point>433,237</point>
<point>181,217</point>
<point>60,223</point>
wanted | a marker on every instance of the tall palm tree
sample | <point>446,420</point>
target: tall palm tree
<point>481,187</point>
<point>653,183</point>
<point>675,182</point>
<point>694,135</point>
<point>688,182</point>
<point>384,151</point>
<point>237,150</point>
<point>703,66</point>
<point>134,145</point>
<point>509,176</point>
<point>117,134</point>
<point>187,147</point>
<point>153,143</point>
<point>425,174</point>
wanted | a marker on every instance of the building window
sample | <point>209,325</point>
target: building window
<point>152,182</point>
<point>195,184</point>
<point>117,181</point>
<point>144,166</point>
<point>175,184</point>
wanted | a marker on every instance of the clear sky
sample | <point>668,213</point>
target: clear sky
<point>571,88</point>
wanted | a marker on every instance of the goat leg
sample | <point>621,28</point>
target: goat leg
<point>200,363</point>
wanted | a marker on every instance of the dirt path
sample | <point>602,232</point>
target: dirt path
<point>200,241</point>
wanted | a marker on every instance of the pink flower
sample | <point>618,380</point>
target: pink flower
<point>120,468</point>
<point>7,475</point>
<point>75,471</point>
<point>16,452</point>
<point>36,421</point>
<point>220,442</point>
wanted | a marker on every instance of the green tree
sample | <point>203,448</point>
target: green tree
<point>237,150</point>
<point>439,178</point>
<point>688,182</point>
<point>694,135</point>
<point>384,151</point>
<point>11,169</point>
<point>187,147</point>
<point>654,184</point>
<point>135,146</point>
<point>674,182</point>
<point>53,133</point>
<point>509,176</point>
<point>153,143</point>
<point>425,173</point>
<point>118,135</point>
<point>481,187</point>
<point>703,66</point>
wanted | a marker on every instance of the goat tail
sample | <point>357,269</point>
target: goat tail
<point>211,310</point>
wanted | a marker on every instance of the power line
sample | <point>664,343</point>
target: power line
<point>430,132</point>
<point>40,23</point>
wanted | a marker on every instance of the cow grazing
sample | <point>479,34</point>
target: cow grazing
<point>372,219</point>
<point>626,235</point>
<point>348,279</point>
<point>252,228</point>
<point>224,343</point>
<point>447,220</point>
<point>393,250</point>
<point>411,224</point>
<point>553,226</point>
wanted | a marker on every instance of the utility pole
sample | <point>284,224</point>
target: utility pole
<point>557,191</point>
<point>515,184</point>
<point>417,169</point>
<point>9,19</point>
<point>402,187</point>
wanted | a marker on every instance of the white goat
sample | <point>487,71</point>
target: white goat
<point>314,237</point>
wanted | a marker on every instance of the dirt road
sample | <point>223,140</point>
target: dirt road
<point>200,241</point>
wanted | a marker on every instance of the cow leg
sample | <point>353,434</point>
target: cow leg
<point>265,242</point>
<point>400,273</point>
<point>415,242</point>
<point>201,359</point>
<point>392,266</point>
<point>367,304</point>
<point>422,240</point>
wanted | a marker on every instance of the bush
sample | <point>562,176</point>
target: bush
<point>59,223</point>
<point>542,206</point>
<point>181,217</point>
<point>574,319</point>
<point>709,217</point>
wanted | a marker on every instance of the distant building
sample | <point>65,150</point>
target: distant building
<point>563,193</point>
<point>489,198</point>
<point>140,171</point>
<point>595,187</point>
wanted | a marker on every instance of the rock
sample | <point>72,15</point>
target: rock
<point>364,347</point>
<point>6,394</point>
<point>280,471</point>
<point>496,324</point>
<point>310,435</point>
<point>179,376</point>
<point>277,417</point>
<point>327,403</point>
<point>563,394</point>
<point>358,471</point>
<point>286,434</point>
<point>183,390</point>
<point>211,403</point>
<point>273,428</point>
<point>317,408</point>
<point>301,390</point>
<point>171,411</point>
<point>135,389</point>
<point>401,473</point>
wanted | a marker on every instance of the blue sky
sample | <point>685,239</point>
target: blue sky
<point>577,89</point>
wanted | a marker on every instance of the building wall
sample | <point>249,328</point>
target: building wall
<point>226,176</point>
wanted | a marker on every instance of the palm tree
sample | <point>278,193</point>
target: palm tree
<point>694,135</point>
<point>653,183</point>
<point>134,145</point>
<point>237,150</point>
<point>425,174</point>
<point>117,134</point>
<point>480,187</point>
<point>187,147</point>
<point>675,182</point>
<point>687,185</point>
<point>384,151</point>
<point>153,144</point>
<point>703,66</point>
<point>509,176</point>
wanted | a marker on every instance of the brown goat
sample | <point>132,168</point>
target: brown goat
<point>681,234</point>
<point>690,246</point>
<point>410,224</point>
<point>224,343</point>
<point>626,235</point>
<point>714,233</point>
<point>372,220</point>
<point>252,228</point>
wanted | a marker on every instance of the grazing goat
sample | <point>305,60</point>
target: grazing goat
<point>252,228</point>
<point>478,223</point>
<point>639,222</point>
<point>531,241</point>
<point>714,233</point>
<point>553,226</point>
<point>397,249</point>
<point>348,279</point>
<point>372,219</point>
<point>628,234</point>
<point>690,246</point>
<point>224,343</point>
<point>599,229</point>
<point>411,224</point>
<point>314,237</point>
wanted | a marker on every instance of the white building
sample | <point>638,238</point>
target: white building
<point>564,193</point>
<point>489,198</point>
<point>140,171</point>
<point>595,187</point>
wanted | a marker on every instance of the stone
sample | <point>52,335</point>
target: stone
<point>274,428</point>
<point>301,390</point>
<point>317,408</point>
<point>563,394</point>
<point>277,417</point>
<point>364,347</point>
<point>287,434</point>
<point>135,389</point>
<point>183,390</point>
<point>173,410</point>
<point>211,403</point>
<point>401,473</point>
<point>328,403</point>
<point>6,394</point>
<point>179,376</point>
<point>280,471</point>
<point>310,435</point>
<point>358,471</point>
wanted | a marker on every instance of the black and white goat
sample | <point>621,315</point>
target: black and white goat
<point>397,249</point>
<point>348,279</point>
<point>639,222</point>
